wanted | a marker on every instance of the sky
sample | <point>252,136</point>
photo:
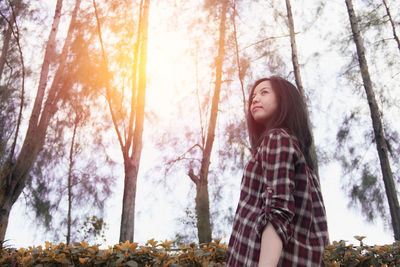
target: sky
<point>158,209</point>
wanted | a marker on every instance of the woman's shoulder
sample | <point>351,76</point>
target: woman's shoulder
<point>280,137</point>
<point>279,133</point>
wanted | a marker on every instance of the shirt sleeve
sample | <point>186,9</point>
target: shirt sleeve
<point>277,154</point>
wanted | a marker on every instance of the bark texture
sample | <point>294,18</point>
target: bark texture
<point>381,144</point>
<point>129,201</point>
<point>4,49</point>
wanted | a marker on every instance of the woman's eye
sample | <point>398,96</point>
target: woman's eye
<point>263,92</point>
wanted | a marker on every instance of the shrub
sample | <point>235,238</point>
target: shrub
<point>123,254</point>
<point>339,254</point>
<point>155,253</point>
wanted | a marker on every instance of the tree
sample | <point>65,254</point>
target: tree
<point>129,125</point>
<point>201,179</point>
<point>48,195</point>
<point>88,186</point>
<point>70,174</point>
<point>67,183</point>
<point>297,76</point>
<point>380,141</point>
<point>195,136</point>
<point>231,147</point>
<point>355,137</point>
<point>392,23</point>
<point>16,168</point>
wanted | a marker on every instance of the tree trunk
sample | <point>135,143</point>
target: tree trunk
<point>392,23</point>
<point>71,164</point>
<point>297,76</point>
<point>4,49</point>
<point>134,142</point>
<point>128,202</point>
<point>13,177</point>
<point>49,53</point>
<point>202,199</point>
<point>6,200</point>
<point>203,214</point>
<point>381,144</point>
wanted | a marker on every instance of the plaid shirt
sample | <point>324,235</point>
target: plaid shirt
<point>278,188</point>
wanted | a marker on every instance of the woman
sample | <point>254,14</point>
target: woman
<point>280,219</point>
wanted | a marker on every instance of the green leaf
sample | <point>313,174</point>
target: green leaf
<point>132,264</point>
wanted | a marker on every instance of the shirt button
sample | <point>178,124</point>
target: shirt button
<point>269,190</point>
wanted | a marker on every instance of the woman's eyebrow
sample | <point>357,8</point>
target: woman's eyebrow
<point>265,87</point>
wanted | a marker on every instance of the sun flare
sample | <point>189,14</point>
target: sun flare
<point>169,69</point>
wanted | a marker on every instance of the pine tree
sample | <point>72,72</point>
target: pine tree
<point>381,143</point>
<point>297,76</point>
<point>129,138</point>
<point>15,169</point>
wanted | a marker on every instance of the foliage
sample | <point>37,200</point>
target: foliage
<point>156,253</point>
<point>124,254</point>
<point>47,187</point>
<point>68,156</point>
<point>187,230</point>
<point>339,254</point>
<point>94,227</point>
<point>10,73</point>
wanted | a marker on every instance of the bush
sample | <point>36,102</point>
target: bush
<point>339,254</point>
<point>155,253</point>
<point>123,254</point>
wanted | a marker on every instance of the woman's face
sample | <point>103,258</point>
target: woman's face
<point>264,103</point>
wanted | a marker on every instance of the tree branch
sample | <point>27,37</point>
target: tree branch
<point>181,157</point>
<point>240,74</point>
<point>198,99</point>
<point>129,138</point>
<point>108,93</point>
<point>264,40</point>
<point>193,177</point>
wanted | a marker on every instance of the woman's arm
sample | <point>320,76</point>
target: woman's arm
<point>278,163</point>
<point>271,247</point>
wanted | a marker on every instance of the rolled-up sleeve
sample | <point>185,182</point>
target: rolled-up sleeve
<point>277,155</point>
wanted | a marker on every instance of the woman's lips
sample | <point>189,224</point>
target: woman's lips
<point>255,108</point>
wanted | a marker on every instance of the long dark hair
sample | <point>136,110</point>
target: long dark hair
<point>291,114</point>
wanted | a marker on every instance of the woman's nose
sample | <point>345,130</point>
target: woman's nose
<point>255,100</point>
